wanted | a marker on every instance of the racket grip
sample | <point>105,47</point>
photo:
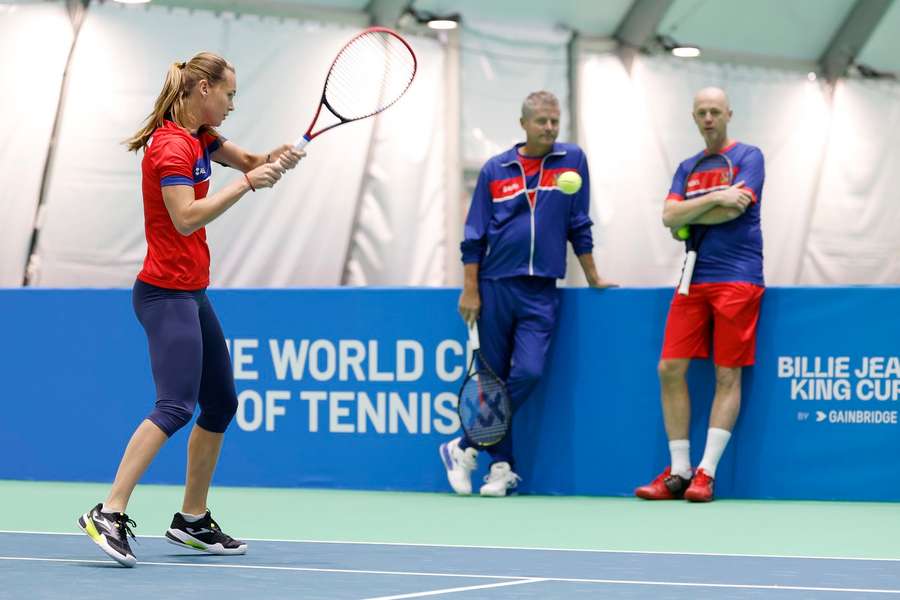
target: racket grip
<point>474,340</point>
<point>687,273</point>
<point>301,143</point>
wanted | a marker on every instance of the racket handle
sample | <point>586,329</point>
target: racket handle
<point>687,273</point>
<point>301,143</point>
<point>474,340</point>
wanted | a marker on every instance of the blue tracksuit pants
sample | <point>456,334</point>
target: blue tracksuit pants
<point>518,316</point>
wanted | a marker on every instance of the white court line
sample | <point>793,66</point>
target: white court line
<point>525,548</point>
<point>690,584</point>
<point>741,586</point>
<point>454,590</point>
<point>269,568</point>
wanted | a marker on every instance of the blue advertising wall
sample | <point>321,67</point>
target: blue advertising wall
<point>355,388</point>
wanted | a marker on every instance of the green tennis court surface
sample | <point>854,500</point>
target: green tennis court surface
<point>349,544</point>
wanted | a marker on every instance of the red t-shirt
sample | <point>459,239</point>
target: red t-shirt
<point>531,166</point>
<point>175,157</point>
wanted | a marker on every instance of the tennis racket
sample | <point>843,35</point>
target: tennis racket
<point>370,73</point>
<point>711,173</point>
<point>485,411</point>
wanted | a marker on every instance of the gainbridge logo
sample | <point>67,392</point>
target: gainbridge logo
<point>843,390</point>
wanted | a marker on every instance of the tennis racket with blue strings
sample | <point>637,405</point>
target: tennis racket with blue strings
<point>485,411</point>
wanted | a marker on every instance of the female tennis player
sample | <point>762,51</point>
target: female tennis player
<point>188,356</point>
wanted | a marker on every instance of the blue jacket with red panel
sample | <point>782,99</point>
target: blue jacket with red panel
<point>519,221</point>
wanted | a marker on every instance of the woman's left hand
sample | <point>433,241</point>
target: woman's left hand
<point>286,156</point>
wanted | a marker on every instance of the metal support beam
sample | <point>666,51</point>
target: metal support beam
<point>386,12</point>
<point>77,10</point>
<point>639,27</point>
<point>640,24</point>
<point>852,36</point>
<point>457,195</point>
<point>572,64</point>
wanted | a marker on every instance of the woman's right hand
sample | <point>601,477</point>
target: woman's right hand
<point>265,175</point>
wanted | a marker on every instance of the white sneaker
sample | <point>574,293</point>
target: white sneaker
<point>500,480</point>
<point>459,464</point>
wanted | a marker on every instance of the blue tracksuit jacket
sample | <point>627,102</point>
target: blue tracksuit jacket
<point>518,224</point>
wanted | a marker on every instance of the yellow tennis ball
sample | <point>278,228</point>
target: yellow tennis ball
<point>684,232</point>
<point>568,182</point>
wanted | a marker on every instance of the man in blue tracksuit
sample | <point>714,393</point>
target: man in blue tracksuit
<point>514,250</point>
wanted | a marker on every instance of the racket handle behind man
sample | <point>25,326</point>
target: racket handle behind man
<point>474,340</point>
<point>687,272</point>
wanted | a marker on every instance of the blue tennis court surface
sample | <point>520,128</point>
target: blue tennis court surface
<point>36,565</point>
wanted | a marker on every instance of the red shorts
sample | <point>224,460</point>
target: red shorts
<point>728,311</point>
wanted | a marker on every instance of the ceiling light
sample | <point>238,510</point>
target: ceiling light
<point>443,24</point>
<point>686,51</point>
<point>434,21</point>
<point>676,48</point>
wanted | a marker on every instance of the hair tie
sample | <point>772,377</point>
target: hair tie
<point>182,65</point>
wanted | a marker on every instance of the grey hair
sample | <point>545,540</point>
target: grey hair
<point>536,100</point>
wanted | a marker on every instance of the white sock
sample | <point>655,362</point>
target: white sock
<point>716,440</point>
<point>191,518</point>
<point>104,509</point>
<point>680,450</point>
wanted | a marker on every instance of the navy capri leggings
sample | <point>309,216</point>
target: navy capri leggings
<point>188,356</point>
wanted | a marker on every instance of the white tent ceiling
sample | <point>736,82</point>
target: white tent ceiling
<point>781,31</point>
<point>793,29</point>
<point>591,18</point>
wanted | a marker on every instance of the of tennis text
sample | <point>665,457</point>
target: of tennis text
<point>381,391</point>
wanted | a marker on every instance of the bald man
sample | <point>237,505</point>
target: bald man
<point>721,309</point>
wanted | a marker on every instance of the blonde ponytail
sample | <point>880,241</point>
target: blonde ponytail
<point>180,81</point>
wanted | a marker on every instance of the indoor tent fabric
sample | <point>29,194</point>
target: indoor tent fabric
<point>291,235</point>
<point>400,235</point>
<point>853,239</point>
<point>500,67</point>
<point>366,206</point>
<point>35,39</point>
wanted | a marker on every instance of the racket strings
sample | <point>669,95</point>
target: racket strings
<point>397,69</point>
<point>368,75</point>
<point>484,408</point>
<point>482,388</point>
<point>711,174</point>
<point>370,67</point>
<point>705,191</point>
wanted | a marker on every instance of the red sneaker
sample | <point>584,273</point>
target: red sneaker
<point>665,487</point>
<point>701,488</point>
